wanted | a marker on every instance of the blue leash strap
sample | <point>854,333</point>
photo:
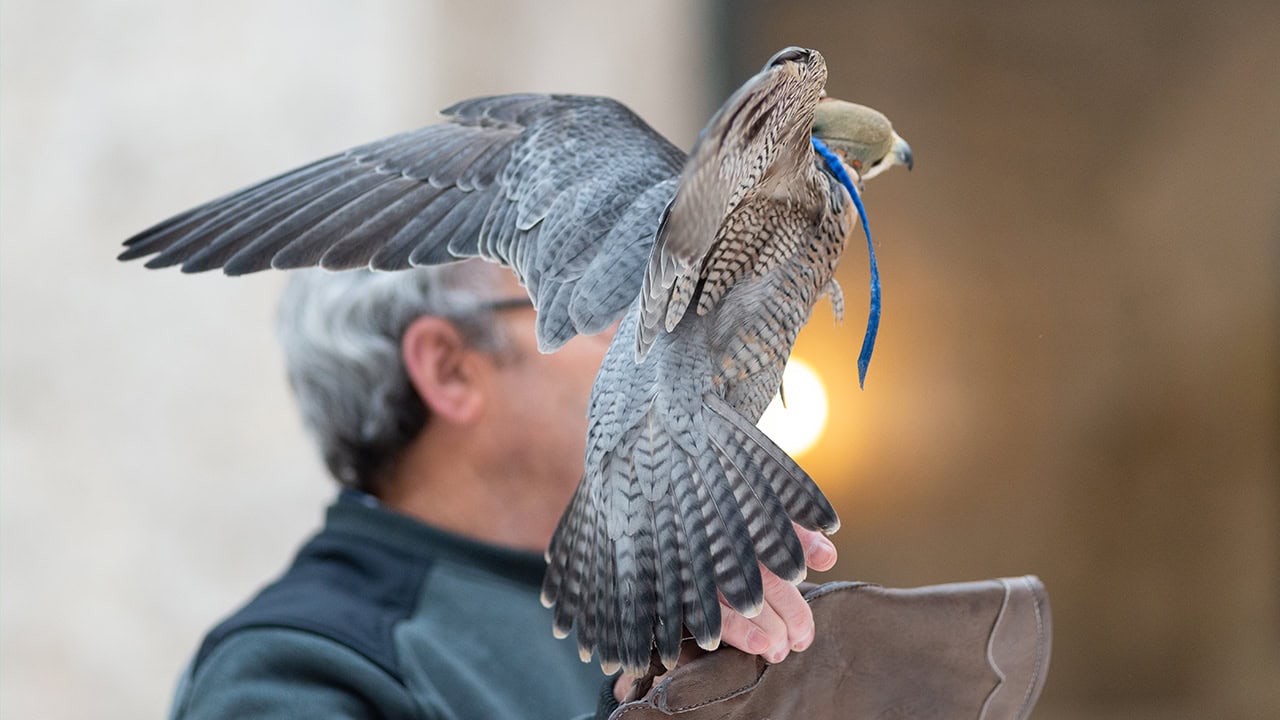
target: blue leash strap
<point>873,320</point>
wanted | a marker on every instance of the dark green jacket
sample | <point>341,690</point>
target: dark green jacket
<point>383,616</point>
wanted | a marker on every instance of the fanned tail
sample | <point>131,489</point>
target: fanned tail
<point>680,511</point>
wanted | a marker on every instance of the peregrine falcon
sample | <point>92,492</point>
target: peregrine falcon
<point>713,261</point>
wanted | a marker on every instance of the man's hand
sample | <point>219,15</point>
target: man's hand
<point>785,623</point>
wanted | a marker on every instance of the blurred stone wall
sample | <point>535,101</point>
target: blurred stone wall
<point>152,471</point>
<point>1078,370</point>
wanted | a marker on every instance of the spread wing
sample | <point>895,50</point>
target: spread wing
<point>568,191</point>
<point>756,142</point>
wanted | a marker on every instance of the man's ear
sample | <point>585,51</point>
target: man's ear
<point>444,371</point>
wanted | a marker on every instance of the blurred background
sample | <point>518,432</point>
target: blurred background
<point>1078,371</point>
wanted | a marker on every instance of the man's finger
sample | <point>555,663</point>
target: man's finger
<point>785,622</point>
<point>786,601</point>
<point>764,634</point>
<point>819,551</point>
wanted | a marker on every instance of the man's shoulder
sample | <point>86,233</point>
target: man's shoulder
<point>277,672</point>
<point>341,588</point>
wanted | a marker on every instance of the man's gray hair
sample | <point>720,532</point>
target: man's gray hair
<point>341,335</point>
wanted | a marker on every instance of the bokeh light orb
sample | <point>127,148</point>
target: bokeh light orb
<point>797,427</point>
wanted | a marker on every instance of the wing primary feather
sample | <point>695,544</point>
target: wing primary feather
<point>448,172</point>
<point>484,169</point>
<point>252,243</point>
<point>229,240</point>
<point>434,246</point>
<point>497,232</point>
<point>419,240</point>
<point>358,247</point>
<point>242,221</point>
<point>159,236</point>
<point>303,249</point>
<point>394,254</point>
<point>401,145</point>
<point>316,243</point>
<point>426,162</point>
<point>551,184</point>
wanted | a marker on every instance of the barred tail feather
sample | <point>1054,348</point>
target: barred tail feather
<point>653,457</point>
<point>776,544</point>
<point>592,623</point>
<point>609,644</point>
<point>698,596</point>
<point>559,554</point>
<point>636,577</point>
<point>571,600</point>
<point>612,603</point>
<point>800,495</point>
<point>732,555</point>
<point>683,510</point>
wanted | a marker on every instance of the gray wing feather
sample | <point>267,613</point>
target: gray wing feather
<point>461,216</point>
<point>330,227</point>
<point>597,300</point>
<point>163,235</point>
<point>234,225</point>
<point>392,221</point>
<point>544,184</point>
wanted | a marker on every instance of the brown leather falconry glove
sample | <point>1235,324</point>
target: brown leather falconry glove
<point>966,650</point>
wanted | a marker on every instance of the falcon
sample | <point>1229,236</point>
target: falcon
<point>713,261</point>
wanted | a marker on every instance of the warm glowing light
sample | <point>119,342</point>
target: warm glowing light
<point>797,427</point>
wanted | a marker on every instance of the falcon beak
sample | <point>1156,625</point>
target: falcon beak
<point>902,151</point>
